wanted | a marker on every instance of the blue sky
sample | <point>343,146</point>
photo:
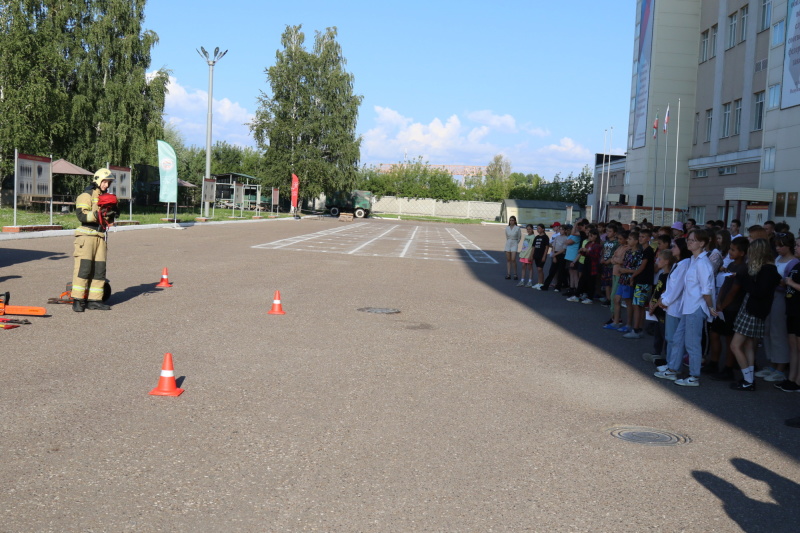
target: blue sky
<point>455,82</point>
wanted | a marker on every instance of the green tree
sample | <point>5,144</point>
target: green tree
<point>73,82</point>
<point>307,124</point>
<point>116,110</point>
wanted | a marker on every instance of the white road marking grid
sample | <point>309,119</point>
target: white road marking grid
<point>379,240</point>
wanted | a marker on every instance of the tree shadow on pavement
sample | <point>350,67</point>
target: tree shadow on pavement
<point>754,515</point>
<point>14,257</point>
<point>761,414</point>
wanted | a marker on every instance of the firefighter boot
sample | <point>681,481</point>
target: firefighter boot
<point>78,305</point>
<point>97,305</point>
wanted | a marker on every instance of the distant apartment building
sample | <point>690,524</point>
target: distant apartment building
<point>729,70</point>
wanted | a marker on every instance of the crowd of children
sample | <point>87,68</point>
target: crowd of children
<point>711,298</point>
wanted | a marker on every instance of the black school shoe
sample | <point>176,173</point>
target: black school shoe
<point>743,386</point>
<point>788,386</point>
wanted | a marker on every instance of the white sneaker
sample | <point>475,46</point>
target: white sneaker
<point>538,287</point>
<point>521,283</point>
<point>776,376</point>
<point>632,335</point>
<point>573,299</point>
<point>691,381</point>
<point>667,374</point>
<point>662,368</point>
<point>529,285</point>
<point>765,372</point>
<point>587,301</point>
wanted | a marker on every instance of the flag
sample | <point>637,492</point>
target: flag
<point>666,119</point>
<point>295,190</point>
<point>168,172</point>
<point>655,127</point>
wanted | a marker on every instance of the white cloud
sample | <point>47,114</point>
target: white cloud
<point>536,132</point>
<point>505,123</point>
<point>187,109</point>
<point>395,136</point>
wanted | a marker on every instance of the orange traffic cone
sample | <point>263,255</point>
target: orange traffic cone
<point>166,383</point>
<point>277,309</point>
<point>164,279</point>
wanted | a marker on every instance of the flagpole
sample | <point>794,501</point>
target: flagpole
<point>655,170</point>
<point>666,151</point>
<point>677,147</point>
<point>602,178</point>
<point>608,178</point>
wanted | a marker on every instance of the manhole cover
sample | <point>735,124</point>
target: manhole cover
<point>379,310</point>
<point>649,436</point>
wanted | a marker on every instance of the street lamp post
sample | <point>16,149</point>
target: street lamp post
<point>212,60</point>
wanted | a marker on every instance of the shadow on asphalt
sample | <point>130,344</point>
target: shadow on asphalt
<point>761,414</point>
<point>753,515</point>
<point>132,292</point>
<point>15,257</point>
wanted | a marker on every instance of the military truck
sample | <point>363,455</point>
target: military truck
<point>357,202</point>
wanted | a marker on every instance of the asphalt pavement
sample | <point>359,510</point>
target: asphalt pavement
<point>480,406</point>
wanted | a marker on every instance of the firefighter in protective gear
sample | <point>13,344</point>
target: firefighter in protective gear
<point>89,274</point>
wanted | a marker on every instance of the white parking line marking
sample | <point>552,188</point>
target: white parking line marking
<point>372,240</point>
<point>410,240</point>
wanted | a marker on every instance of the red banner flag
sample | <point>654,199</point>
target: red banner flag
<point>295,190</point>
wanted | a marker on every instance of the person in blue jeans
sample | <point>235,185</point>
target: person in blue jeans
<point>697,308</point>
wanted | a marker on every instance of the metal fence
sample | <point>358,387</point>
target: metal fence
<point>436,208</point>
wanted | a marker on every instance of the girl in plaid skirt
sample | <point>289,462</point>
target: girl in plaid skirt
<point>758,283</point>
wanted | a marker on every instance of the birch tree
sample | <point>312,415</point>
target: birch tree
<point>306,124</point>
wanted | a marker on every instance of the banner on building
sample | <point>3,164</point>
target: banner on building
<point>644,52</point>
<point>791,61</point>
<point>34,176</point>
<point>168,172</point>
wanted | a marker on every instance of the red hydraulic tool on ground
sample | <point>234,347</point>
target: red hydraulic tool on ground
<point>66,296</point>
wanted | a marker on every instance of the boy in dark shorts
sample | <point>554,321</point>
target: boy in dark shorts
<point>642,283</point>
<point>607,268</point>
<point>540,245</point>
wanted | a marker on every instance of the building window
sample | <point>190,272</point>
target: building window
<point>791,204</point>
<point>702,173</point>
<point>627,177</point>
<point>737,116</point>
<point>774,96</point>
<point>732,22</point>
<point>726,120</point>
<point>704,46</point>
<point>780,204</point>
<point>709,123</point>
<point>768,162</point>
<point>698,212</point>
<point>778,33</point>
<point>765,15</point>
<point>713,45</point>
<point>696,127</point>
<point>758,111</point>
<point>727,170</point>
<point>745,11</point>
